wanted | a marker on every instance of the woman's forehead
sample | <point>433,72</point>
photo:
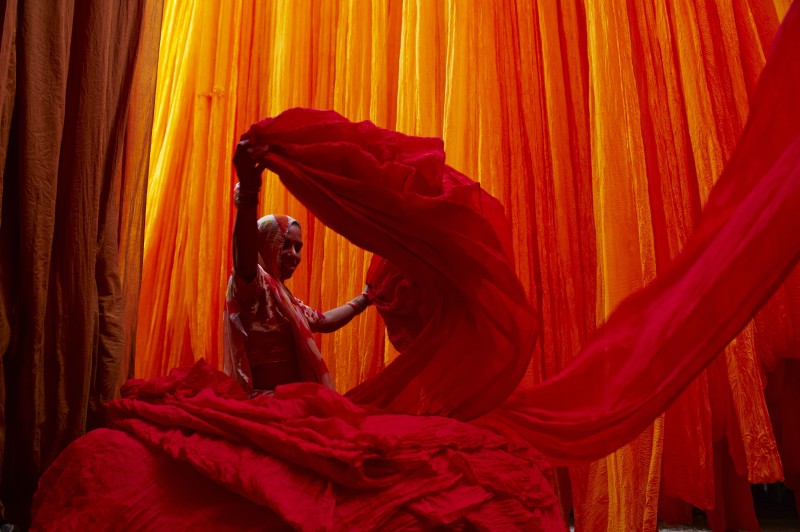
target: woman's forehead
<point>294,232</point>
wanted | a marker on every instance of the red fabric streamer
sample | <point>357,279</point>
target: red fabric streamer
<point>467,330</point>
<point>660,338</point>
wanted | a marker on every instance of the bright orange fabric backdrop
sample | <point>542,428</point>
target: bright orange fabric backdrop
<point>601,126</point>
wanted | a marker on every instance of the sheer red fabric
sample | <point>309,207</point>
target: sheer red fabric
<point>467,330</point>
<point>446,280</point>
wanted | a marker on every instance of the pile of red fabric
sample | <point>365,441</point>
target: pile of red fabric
<point>190,449</point>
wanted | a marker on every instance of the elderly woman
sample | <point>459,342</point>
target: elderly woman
<point>268,330</point>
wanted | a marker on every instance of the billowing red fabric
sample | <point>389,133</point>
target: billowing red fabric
<point>473,332</point>
<point>660,338</point>
<point>306,457</point>
<point>446,283</point>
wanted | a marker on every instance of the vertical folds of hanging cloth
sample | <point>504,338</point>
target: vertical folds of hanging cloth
<point>389,194</point>
<point>600,126</point>
<point>77,88</point>
<point>555,109</point>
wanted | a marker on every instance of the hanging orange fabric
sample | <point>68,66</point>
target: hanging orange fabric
<point>551,107</point>
<point>450,285</point>
<point>76,110</point>
<point>393,194</point>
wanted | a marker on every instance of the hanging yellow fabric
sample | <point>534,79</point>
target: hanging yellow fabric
<point>601,126</point>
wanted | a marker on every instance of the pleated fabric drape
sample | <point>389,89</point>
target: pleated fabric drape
<point>78,86</point>
<point>601,126</point>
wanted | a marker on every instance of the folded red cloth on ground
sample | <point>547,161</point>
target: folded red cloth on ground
<point>306,457</point>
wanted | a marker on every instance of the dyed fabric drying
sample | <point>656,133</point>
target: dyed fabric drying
<point>662,336</point>
<point>76,116</point>
<point>452,302</point>
<point>600,126</point>
<point>442,243</point>
<point>190,449</point>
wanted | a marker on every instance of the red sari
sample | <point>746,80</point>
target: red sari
<point>265,325</point>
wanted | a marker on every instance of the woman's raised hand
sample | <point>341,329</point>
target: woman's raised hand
<point>247,164</point>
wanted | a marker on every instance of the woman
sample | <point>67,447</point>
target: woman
<point>268,330</point>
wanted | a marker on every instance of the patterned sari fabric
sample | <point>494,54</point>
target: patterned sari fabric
<point>265,324</point>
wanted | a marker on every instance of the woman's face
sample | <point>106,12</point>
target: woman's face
<point>290,255</point>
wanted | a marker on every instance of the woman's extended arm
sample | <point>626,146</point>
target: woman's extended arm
<point>338,317</point>
<point>245,228</point>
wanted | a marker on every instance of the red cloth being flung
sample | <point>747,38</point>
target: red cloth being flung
<point>468,332</point>
<point>306,457</point>
<point>446,285</point>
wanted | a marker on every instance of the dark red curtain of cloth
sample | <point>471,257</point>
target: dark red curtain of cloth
<point>77,81</point>
<point>464,351</point>
<point>778,325</point>
<point>783,400</point>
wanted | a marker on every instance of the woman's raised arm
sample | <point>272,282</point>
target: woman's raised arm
<point>245,228</point>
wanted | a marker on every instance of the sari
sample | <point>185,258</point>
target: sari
<point>263,321</point>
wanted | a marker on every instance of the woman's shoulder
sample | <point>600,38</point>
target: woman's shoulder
<point>239,288</point>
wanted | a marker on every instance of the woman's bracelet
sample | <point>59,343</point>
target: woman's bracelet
<point>359,303</point>
<point>243,197</point>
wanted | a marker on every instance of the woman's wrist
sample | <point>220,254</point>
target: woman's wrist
<point>359,303</point>
<point>245,197</point>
